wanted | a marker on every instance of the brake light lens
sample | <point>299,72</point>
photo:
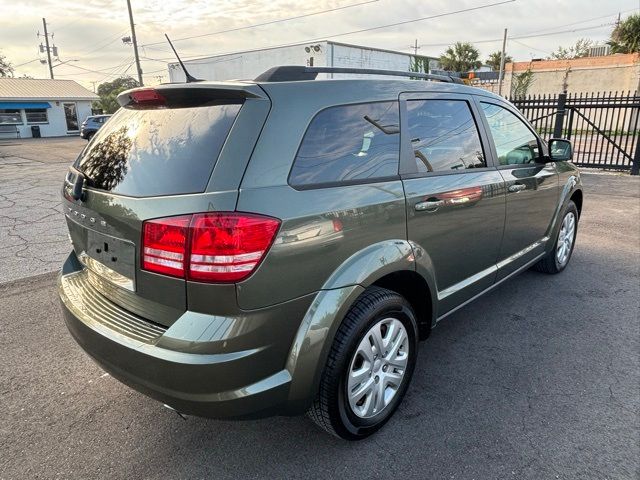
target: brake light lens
<point>164,243</point>
<point>147,96</point>
<point>208,247</point>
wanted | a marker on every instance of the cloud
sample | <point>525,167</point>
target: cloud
<point>91,31</point>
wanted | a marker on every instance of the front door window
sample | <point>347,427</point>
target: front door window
<point>71,117</point>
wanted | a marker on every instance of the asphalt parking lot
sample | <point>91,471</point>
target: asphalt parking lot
<point>539,379</point>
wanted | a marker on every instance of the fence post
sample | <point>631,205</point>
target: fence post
<point>557,129</point>
<point>635,165</point>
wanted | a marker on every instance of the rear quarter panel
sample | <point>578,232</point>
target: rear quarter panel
<point>321,228</point>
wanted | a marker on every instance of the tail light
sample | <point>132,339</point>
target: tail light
<point>164,245</point>
<point>207,247</point>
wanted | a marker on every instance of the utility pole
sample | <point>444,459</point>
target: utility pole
<point>46,41</point>
<point>415,47</point>
<point>135,43</point>
<point>502,58</point>
<point>94,86</point>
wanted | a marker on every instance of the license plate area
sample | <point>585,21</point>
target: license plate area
<point>111,258</point>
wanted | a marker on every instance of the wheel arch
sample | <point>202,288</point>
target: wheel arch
<point>389,264</point>
<point>577,197</point>
<point>415,289</point>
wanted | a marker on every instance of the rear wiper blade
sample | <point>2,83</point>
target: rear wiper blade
<point>78,187</point>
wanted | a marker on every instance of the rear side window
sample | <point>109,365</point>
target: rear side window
<point>160,151</point>
<point>444,136</point>
<point>349,144</point>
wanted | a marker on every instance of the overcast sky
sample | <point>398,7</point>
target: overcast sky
<point>90,31</point>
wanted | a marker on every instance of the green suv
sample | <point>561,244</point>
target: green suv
<point>279,246</point>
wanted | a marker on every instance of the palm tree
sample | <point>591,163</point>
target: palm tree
<point>461,57</point>
<point>494,60</point>
<point>625,38</point>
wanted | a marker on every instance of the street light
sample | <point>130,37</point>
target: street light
<point>62,63</point>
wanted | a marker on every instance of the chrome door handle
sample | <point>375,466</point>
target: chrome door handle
<point>429,205</point>
<point>517,187</point>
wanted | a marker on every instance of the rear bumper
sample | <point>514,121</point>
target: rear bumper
<point>197,376</point>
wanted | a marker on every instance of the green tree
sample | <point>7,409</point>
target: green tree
<point>625,38</point>
<point>521,83</point>
<point>6,69</point>
<point>109,91</point>
<point>494,60</point>
<point>461,57</point>
<point>580,49</point>
<point>419,64</point>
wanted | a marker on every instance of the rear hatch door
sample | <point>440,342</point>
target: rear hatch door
<point>182,153</point>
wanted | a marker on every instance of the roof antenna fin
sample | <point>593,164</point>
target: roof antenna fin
<point>184,69</point>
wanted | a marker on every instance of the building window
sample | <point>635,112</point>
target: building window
<point>37,115</point>
<point>9,116</point>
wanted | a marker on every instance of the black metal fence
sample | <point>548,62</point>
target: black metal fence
<point>603,127</point>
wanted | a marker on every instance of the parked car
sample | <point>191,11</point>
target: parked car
<point>91,125</point>
<point>247,249</point>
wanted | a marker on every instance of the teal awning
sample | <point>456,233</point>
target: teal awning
<point>18,105</point>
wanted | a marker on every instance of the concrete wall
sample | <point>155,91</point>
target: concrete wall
<point>340,55</point>
<point>248,65</point>
<point>57,126</point>
<point>610,73</point>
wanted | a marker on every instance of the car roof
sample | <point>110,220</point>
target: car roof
<point>370,89</point>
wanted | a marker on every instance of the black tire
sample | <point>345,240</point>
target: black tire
<point>331,410</point>
<point>549,263</point>
<point>90,136</point>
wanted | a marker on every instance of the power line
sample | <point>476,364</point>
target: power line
<point>26,63</point>
<point>100,71</point>
<point>271,22</point>
<point>111,40</point>
<point>518,37</point>
<point>531,47</point>
<point>379,27</point>
<point>615,14</point>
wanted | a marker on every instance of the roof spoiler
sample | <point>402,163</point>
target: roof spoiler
<point>297,73</point>
<point>195,93</point>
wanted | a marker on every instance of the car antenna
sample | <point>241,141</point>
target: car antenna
<point>184,69</point>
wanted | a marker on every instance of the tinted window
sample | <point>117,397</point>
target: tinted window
<point>515,143</point>
<point>349,143</point>
<point>157,151</point>
<point>444,136</point>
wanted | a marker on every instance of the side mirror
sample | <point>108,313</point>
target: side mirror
<point>560,150</point>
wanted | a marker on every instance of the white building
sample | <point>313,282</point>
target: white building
<point>57,107</point>
<point>249,64</point>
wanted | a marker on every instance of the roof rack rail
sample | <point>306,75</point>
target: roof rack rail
<point>296,73</point>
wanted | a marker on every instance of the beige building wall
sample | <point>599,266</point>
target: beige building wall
<point>589,75</point>
<point>609,73</point>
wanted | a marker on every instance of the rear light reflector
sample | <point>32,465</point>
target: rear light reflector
<point>164,243</point>
<point>208,247</point>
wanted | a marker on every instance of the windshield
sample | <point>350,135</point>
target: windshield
<point>161,151</point>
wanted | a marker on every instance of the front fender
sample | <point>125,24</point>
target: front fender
<point>568,186</point>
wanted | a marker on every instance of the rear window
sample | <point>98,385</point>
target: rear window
<point>152,152</point>
<point>349,144</point>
